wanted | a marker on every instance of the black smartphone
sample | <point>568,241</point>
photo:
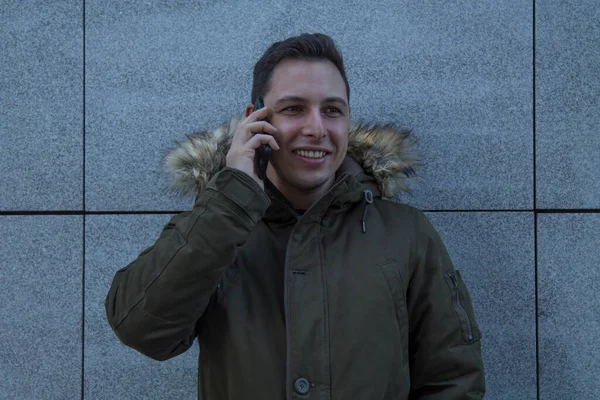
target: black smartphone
<point>262,154</point>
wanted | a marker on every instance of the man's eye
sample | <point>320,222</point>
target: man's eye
<point>333,110</point>
<point>292,108</point>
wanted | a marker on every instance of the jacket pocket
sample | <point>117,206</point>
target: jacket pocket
<point>461,302</point>
<point>397,291</point>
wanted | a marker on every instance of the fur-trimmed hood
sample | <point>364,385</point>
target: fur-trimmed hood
<point>384,152</point>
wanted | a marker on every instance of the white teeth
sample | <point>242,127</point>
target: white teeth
<point>311,154</point>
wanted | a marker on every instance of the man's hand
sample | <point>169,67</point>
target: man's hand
<point>246,140</point>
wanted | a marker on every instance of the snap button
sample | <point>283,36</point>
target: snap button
<point>302,386</point>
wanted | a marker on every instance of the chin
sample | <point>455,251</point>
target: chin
<point>310,183</point>
<point>300,179</point>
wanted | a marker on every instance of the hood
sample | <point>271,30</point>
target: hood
<point>383,151</point>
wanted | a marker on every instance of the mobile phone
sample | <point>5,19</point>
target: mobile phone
<point>262,154</point>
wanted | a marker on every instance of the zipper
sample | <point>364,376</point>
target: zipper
<point>280,197</point>
<point>458,305</point>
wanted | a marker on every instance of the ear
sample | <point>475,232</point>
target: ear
<point>249,109</point>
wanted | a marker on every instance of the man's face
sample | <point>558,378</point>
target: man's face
<point>309,107</point>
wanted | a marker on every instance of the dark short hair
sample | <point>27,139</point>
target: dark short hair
<point>307,47</point>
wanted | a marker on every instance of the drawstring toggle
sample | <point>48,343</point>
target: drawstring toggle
<point>368,200</point>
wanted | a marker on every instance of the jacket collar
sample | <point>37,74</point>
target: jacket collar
<point>338,196</point>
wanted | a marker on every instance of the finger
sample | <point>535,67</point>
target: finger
<point>251,125</point>
<point>259,139</point>
<point>256,115</point>
<point>259,114</point>
<point>262,126</point>
<point>246,132</point>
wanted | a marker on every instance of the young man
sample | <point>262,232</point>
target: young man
<point>309,284</point>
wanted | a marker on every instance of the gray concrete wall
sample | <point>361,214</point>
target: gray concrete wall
<point>502,95</point>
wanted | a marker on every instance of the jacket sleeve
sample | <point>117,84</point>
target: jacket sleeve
<point>155,302</point>
<point>445,348</point>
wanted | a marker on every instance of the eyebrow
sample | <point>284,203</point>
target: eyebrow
<point>333,99</point>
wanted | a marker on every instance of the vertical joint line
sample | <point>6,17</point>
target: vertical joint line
<point>534,111</point>
<point>537,312</point>
<point>83,206</point>
<point>535,211</point>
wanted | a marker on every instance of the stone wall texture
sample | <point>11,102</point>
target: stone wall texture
<point>501,95</point>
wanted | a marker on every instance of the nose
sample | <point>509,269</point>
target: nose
<point>313,125</point>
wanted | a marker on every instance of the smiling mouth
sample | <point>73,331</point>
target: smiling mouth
<point>311,154</point>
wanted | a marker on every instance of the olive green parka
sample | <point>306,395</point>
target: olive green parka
<point>356,299</point>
